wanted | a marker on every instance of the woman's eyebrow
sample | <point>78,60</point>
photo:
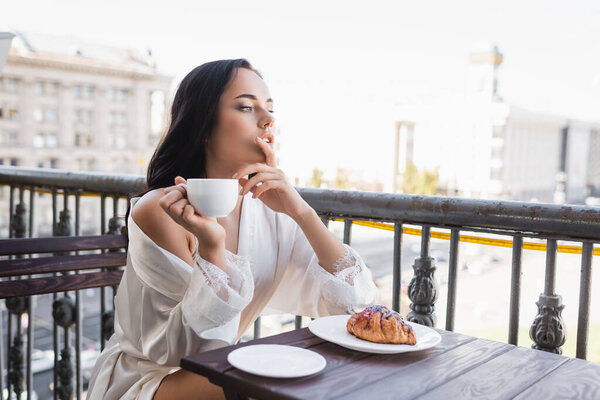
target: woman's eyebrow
<point>253,97</point>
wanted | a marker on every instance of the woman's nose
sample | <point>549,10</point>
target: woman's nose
<point>267,121</point>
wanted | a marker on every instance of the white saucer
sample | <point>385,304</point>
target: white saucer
<point>276,361</point>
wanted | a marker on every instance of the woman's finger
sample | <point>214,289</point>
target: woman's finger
<point>261,177</point>
<point>176,208</point>
<point>179,180</point>
<point>188,213</point>
<point>250,168</point>
<point>179,188</point>
<point>269,154</point>
<point>170,198</point>
<point>269,185</point>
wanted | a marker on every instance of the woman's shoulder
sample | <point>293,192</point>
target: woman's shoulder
<point>156,224</point>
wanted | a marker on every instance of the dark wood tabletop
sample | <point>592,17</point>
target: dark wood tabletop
<point>459,367</point>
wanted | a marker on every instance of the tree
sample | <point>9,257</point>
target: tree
<point>317,178</point>
<point>342,179</point>
<point>420,182</point>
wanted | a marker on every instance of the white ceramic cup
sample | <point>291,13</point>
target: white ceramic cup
<point>214,198</point>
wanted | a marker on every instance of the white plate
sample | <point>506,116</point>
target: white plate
<point>333,329</point>
<point>276,361</point>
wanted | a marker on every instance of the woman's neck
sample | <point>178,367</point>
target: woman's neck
<point>220,172</point>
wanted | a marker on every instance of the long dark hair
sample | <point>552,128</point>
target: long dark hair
<point>193,118</point>
<point>182,150</point>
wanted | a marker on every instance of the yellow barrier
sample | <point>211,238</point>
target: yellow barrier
<point>471,239</point>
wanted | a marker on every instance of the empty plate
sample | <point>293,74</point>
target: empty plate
<point>276,361</point>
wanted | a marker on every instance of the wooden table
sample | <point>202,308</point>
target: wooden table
<point>460,367</point>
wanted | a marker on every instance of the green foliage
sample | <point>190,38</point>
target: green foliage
<point>342,179</point>
<point>317,178</point>
<point>420,182</point>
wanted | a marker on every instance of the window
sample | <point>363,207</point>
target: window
<point>497,152</point>
<point>11,112</point>
<point>157,112</point>
<point>9,137</point>
<point>9,85</point>
<point>40,87</point>
<point>88,92</point>
<point>83,140</point>
<point>118,141</point>
<point>498,132</point>
<point>110,94</point>
<point>117,119</point>
<point>51,115</point>
<point>43,114</point>
<point>14,162</point>
<point>44,88</point>
<point>49,140</point>
<point>116,95</point>
<point>122,96</point>
<point>39,140</point>
<point>496,174</point>
<point>83,117</point>
<point>83,91</point>
<point>53,163</point>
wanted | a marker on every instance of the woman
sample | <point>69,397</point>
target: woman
<point>193,283</point>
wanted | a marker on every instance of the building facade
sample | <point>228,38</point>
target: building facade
<point>75,106</point>
<point>485,147</point>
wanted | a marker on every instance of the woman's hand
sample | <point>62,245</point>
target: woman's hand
<point>271,186</point>
<point>210,234</point>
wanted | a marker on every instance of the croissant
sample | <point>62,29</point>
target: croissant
<point>379,324</point>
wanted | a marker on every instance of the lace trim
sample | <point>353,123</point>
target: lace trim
<point>238,277</point>
<point>348,266</point>
<point>214,277</point>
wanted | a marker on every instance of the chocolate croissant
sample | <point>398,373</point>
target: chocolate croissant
<point>379,324</point>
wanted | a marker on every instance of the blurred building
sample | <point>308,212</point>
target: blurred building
<point>487,148</point>
<point>78,106</point>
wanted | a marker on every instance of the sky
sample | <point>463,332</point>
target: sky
<point>337,69</point>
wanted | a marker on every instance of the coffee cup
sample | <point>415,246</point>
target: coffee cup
<point>214,198</point>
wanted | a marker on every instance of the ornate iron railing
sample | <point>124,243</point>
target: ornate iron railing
<point>518,220</point>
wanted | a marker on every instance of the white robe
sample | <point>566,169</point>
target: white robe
<point>165,309</point>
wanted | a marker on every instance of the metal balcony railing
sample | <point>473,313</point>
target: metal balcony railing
<point>547,222</point>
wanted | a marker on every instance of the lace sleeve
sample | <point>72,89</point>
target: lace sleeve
<point>348,266</point>
<point>223,293</point>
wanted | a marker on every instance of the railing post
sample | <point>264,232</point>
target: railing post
<point>515,290</point>
<point>17,306</point>
<point>548,330</point>
<point>397,267</point>
<point>423,289</point>
<point>108,316</point>
<point>585,294</point>
<point>452,278</point>
<point>64,314</point>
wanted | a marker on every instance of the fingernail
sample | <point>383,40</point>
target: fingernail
<point>234,176</point>
<point>259,139</point>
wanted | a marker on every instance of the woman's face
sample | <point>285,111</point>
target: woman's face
<point>245,112</point>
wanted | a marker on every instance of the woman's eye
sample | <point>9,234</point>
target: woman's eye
<point>250,108</point>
